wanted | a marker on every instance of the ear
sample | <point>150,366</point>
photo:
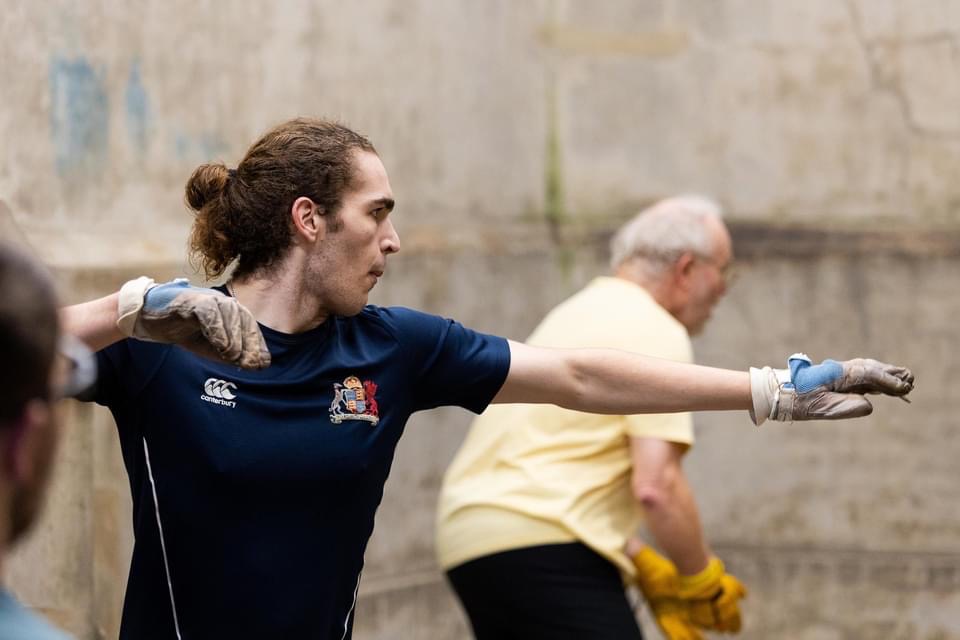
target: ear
<point>307,219</point>
<point>20,441</point>
<point>682,270</point>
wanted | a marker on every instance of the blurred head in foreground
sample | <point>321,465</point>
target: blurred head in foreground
<point>39,367</point>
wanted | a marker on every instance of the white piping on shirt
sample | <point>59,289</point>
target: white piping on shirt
<point>163,546</point>
<point>346,622</point>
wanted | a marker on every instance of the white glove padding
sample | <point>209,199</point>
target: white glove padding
<point>828,391</point>
<point>204,321</point>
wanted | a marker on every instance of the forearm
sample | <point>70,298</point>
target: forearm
<point>617,382</point>
<point>674,523</point>
<point>94,322</point>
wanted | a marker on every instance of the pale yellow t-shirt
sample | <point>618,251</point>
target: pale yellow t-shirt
<point>537,474</point>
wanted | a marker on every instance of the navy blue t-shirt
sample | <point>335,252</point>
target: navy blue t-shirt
<point>254,492</point>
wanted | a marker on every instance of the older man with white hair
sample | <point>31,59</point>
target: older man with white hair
<point>539,507</point>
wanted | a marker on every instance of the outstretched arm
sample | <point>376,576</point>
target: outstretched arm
<point>617,382</point>
<point>94,322</point>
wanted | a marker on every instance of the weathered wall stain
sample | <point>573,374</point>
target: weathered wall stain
<point>554,208</point>
<point>137,104</point>
<point>79,116</point>
<point>653,44</point>
<point>927,106</point>
<point>201,147</point>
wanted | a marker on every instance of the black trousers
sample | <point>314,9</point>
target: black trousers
<point>554,592</point>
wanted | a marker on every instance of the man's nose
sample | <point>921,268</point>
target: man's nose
<point>391,241</point>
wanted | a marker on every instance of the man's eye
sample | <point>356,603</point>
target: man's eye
<point>379,213</point>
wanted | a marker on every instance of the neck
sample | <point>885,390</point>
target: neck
<point>659,289</point>
<point>280,301</point>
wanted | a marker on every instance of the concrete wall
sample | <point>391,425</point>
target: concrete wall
<point>517,137</point>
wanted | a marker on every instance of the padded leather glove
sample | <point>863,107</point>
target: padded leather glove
<point>713,597</point>
<point>204,321</point>
<point>657,579</point>
<point>830,390</point>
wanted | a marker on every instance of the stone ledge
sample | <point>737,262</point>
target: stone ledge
<point>374,585</point>
<point>885,569</point>
<point>753,240</point>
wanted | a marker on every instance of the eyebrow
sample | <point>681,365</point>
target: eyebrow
<point>386,203</point>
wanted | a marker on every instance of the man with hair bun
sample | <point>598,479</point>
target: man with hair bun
<point>256,463</point>
<point>39,368</point>
<point>543,500</point>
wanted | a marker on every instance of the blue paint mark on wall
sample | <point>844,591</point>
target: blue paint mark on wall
<point>211,145</point>
<point>203,147</point>
<point>181,145</point>
<point>79,116</point>
<point>138,108</point>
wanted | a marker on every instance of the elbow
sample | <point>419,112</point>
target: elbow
<point>651,497</point>
<point>658,483</point>
<point>657,491</point>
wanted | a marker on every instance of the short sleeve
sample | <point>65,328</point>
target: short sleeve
<point>671,427</point>
<point>123,370</point>
<point>451,364</point>
<point>111,363</point>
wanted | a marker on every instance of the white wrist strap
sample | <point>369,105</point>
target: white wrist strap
<point>131,302</point>
<point>770,400</point>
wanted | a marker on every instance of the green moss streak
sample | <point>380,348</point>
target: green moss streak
<point>553,196</point>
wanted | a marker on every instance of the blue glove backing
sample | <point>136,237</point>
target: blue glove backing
<point>830,390</point>
<point>160,296</point>
<point>806,376</point>
<point>202,320</point>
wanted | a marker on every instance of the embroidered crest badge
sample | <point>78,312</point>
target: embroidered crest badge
<point>354,400</point>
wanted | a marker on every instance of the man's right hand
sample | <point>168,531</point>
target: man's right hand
<point>713,597</point>
<point>830,390</point>
<point>204,321</point>
<point>657,580</point>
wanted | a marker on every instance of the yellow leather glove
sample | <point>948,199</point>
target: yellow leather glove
<point>657,579</point>
<point>712,597</point>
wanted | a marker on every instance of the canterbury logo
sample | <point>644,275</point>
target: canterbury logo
<point>220,388</point>
<point>219,392</point>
